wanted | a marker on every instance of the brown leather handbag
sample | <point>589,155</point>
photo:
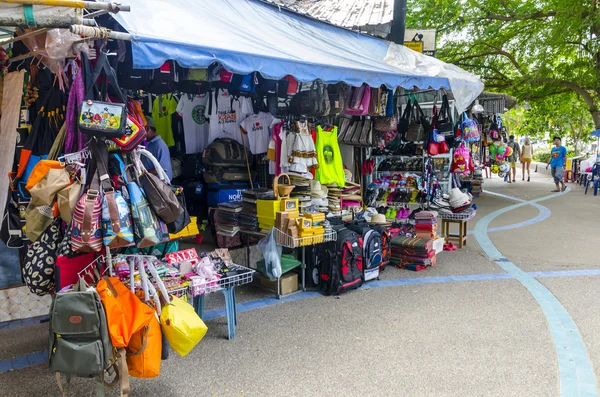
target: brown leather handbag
<point>159,192</point>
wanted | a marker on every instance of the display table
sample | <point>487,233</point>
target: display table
<point>227,287</point>
<point>459,219</point>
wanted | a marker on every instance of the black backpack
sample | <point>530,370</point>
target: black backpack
<point>341,267</point>
<point>386,245</point>
<point>372,248</point>
<point>226,152</point>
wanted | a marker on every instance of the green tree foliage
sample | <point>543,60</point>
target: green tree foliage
<point>564,115</point>
<point>531,49</point>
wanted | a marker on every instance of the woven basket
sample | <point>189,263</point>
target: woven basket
<point>282,190</point>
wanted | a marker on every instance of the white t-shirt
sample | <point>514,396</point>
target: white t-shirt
<point>195,124</point>
<point>227,115</point>
<point>256,128</point>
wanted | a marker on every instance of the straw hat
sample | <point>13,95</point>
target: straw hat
<point>379,219</point>
<point>316,190</point>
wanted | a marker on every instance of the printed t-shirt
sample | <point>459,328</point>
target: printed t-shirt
<point>331,168</point>
<point>256,128</point>
<point>558,154</point>
<point>161,113</point>
<point>195,125</point>
<point>226,115</point>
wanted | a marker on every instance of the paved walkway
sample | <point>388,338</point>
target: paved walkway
<point>515,313</point>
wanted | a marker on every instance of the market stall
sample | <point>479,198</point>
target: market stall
<point>210,118</point>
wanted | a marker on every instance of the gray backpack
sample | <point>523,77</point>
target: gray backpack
<point>80,343</point>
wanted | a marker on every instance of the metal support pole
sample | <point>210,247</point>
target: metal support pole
<point>90,5</point>
<point>399,22</point>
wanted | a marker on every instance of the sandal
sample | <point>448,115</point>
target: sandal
<point>564,188</point>
<point>555,191</point>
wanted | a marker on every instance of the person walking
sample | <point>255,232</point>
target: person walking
<point>526,157</point>
<point>516,155</point>
<point>558,159</point>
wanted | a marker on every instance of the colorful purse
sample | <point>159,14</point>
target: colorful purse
<point>98,118</point>
<point>134,135</point>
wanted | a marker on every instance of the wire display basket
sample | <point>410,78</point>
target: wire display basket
<point>240,275</point>
<point>460,216</point>
<point>288,241</point>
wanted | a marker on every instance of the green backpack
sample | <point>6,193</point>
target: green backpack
<point>80,343</point>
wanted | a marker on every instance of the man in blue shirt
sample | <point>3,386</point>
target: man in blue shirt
<point>158,148</point>
<point>558,159</point>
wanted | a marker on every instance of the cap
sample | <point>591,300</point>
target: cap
<point>150,122</point>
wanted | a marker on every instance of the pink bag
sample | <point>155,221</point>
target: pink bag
<point>358,101</point>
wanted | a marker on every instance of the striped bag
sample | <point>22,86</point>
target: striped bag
<point>86,226</point>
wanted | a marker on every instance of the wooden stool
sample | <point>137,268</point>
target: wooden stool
<point>568,176</point>
<point>459,239</point>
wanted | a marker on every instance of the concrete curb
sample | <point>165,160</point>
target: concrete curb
<point>541,168</point>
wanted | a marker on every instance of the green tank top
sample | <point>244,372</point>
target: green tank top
<point>331,168</point>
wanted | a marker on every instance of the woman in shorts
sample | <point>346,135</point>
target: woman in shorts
<point>526,156</point>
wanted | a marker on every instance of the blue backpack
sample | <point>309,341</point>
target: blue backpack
<point>243,85</point>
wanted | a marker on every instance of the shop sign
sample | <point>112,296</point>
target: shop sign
<point>414,45</point>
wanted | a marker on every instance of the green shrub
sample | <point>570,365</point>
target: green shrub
<point>543,155</point>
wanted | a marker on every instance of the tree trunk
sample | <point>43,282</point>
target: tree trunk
<point>596,117</point>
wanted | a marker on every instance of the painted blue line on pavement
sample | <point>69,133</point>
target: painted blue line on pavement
<point>576,372</point>
<point>544,214</point>
<point>41,357</point>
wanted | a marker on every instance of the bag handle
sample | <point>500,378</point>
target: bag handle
<point>102,65</point>
<point>137,157</point>
<point>100,152</point>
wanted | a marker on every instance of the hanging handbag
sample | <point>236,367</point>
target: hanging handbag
<point>86,225</point>
<point>98,118</point>
<point>415,132</point>
<point>445,123</point>
<point>357,103</point>
<point>436,136</point>
<point>67,200</point>
<point>148,229</point>
<point>135,134</point>
<point>404,120</point>
<point>47,178</point>
<point>116,217</point>
<point>385,124</point>
<point>158,191</point>
<point>126,314</point>
<point>144,351</point>
<point>443,149</point>
<point>38,266</point>
<point>37,219</point>
<point>184,219</point>
<point>433,148</point>
<point>181,325</point>
<point>145,346</point>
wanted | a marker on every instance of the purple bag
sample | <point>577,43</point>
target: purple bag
<point>359,99</point>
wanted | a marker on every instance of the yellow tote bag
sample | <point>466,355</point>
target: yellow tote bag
<point>181,325</point>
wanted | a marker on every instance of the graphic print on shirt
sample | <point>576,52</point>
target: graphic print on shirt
<point>226,117</point>
<point>198,114</point>
<point>328,154</point>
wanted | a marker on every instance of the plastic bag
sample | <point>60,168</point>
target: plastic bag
<point>272,254</point>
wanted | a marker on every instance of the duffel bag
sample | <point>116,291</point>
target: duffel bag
<point>226,152</point>
<point>226,174</point>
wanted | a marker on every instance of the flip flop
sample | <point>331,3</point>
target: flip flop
<point>555,191</point>
<point>564,188</point>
